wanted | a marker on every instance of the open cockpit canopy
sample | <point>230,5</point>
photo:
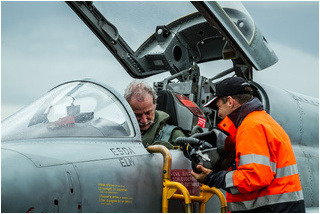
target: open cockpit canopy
<point>212,31</point>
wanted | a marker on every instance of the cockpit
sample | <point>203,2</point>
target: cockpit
<point>218,31</point>
<point>74,109</point>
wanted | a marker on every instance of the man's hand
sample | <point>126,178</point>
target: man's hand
<point>201,176</point>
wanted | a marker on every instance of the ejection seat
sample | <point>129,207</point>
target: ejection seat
<point>183,112</point>
<point>165,102</point>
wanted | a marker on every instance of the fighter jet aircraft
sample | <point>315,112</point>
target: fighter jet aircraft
<point>78,148</point>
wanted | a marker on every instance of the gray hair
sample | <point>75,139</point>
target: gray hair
<point>139,90</point>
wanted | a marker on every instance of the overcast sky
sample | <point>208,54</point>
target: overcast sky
<point>44,44</point>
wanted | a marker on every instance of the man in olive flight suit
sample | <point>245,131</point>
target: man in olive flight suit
<point>154,129</point>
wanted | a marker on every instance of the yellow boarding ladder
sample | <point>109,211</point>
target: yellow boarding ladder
<point>170,187</point>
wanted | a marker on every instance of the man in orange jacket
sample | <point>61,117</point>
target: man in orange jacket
<point>264,176</point>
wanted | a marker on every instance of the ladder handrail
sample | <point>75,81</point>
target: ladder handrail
<point>170,187</point>
<point>167,160</point>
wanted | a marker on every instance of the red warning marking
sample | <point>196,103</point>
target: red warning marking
<point>184,177</point>
<point>201,122</point>
<point>190,105</point>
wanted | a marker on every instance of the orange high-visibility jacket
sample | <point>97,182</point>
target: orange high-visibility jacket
<point>266,172</point>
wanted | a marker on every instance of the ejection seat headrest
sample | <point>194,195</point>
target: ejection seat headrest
<point>165,102</point>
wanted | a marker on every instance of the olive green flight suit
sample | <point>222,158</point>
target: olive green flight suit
<point>161,133</point>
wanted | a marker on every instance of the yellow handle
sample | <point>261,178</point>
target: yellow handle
<point>167,160</point>
<point>170,187</point>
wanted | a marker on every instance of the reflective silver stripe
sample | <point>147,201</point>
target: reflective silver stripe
<point>229,183</point>
<point>229,179</point>
<point>286,171</point>
<point>234,190</point>
<point>260,159</point>
<point>265,200</point>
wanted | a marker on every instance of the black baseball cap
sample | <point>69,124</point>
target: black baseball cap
<point>227,87</point>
